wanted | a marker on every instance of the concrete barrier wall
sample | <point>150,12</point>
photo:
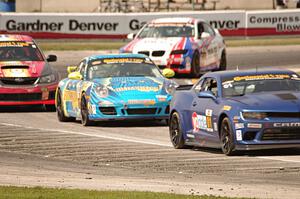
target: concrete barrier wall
<point>118,25</point>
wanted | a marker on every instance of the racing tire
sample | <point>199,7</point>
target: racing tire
<point>223,62</point>
<point>85,121</point>
<point>227,140</point>
<point>175,131</point>
<point>195,70</point>
<point>60,110</point>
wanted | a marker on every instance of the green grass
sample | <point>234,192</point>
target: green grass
<point>73,44</point>
<point>10,192</point>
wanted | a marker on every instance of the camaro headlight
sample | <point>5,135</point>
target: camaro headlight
<point>254,115</point>
<point>47,79</point>
<point>171,87</point>
<point>101,91</point>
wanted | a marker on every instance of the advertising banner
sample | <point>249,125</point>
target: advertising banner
<point>53,25</point>
<point>281,22</point>
<point>118,25</point>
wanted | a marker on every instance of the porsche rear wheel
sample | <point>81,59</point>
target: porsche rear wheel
<point>195,70</point>
<point>85,120</point>
<point>60,110</point>
<point>175,131</point>
<point>227,140</point>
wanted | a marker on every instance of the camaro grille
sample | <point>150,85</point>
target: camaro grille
<point>141,111</point>
<point>283,114</point>
<point>18,80</point>
<point>15,97</point>
<point>281,134</point>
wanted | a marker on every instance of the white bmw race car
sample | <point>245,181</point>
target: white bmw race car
<point>186,45</point>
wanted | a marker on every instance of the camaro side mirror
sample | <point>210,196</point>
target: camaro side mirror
<point>205,35</point>
<point>168,73</point>
<point>71,69</point>
<point>206,94</point>
<point>131,36</point>
<point>75,76</point>
<point>51,58</point>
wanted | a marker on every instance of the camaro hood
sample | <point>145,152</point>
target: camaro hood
<point>271,101</point>
<point>133,87</point>
<point>22,68</point>
<point>151,44</point>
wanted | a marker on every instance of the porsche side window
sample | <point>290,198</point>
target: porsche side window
<point>81,67</point>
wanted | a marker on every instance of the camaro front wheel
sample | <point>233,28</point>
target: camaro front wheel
<point>227,140</point>
<point>175,130</point>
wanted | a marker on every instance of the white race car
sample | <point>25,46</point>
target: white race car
<point>186,45</point>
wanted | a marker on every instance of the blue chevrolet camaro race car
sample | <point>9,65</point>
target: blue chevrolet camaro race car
<point>114,87</point>
<point>238,110</point>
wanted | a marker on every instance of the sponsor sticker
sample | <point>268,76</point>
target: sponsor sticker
<point>238,134</point>
<point>190,135</point>
<point>254,125</point>
<point>123,60</point>
<point>239,125</point>
<point>262,77</point>
<point>226,108</point>
<point>203,122</point>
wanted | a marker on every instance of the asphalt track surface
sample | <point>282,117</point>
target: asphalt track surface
<point>36,149</point>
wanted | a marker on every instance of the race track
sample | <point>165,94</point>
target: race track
<point>36,149</point>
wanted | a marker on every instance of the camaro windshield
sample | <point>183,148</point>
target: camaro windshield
<point>123,70</point>
<point>240,88</point>
<point>19,51</point>
<point>167,31</point>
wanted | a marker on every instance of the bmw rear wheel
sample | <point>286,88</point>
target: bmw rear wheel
<point>195,70</point>
<point>175,131</point>
<point>85,120</point>
<point>223,61</point>
<point>227,140</point>
<point>60,110</point>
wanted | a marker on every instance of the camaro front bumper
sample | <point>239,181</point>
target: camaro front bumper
<point>27,95</point>
<point>281,133</point>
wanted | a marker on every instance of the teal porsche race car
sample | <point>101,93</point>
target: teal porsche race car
<point>114,87</point>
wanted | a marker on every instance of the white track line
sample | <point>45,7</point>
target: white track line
<point>280,159</point>
<point>131,140</point>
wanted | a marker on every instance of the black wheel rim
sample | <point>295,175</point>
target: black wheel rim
<point>174,131</point>
<point>196,64</point>
<point>226,143</point>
